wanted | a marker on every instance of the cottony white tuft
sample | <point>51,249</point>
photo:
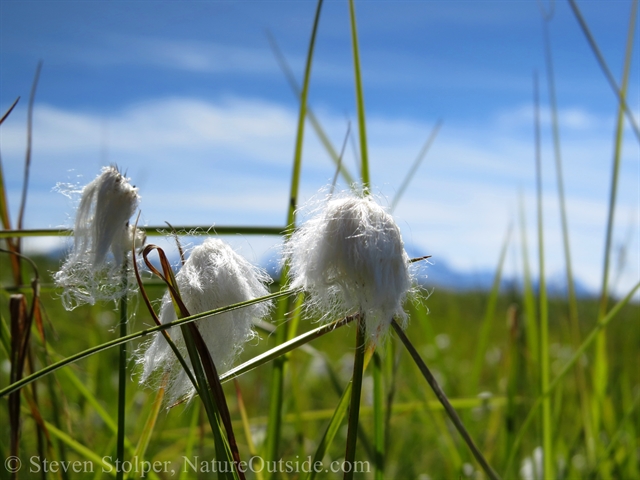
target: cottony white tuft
<point>102,225</point>
<point>350,257</point>
<point>213,276</point>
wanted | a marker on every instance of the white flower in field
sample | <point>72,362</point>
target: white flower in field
<point>350,257</point>
<point>532,468</point>
<point>213,276</point>
<point>102,239</point>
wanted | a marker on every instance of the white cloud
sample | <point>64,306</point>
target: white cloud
<point>229,162</point>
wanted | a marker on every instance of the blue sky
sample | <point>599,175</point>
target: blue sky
<point>189,99</point>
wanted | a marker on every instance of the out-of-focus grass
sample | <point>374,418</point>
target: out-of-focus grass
<point>418,438</point>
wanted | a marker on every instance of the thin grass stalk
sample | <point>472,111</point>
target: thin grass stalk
<point>315,123</point>
<point>354,403</point>
<point>379,418</point>
<point>9,110</point>
<point>154,231</point>
<point>142,333</point>
<point>362,124</point>
<point>210,388</point>
<point>27,160</point>
<point>222,450</point>
<point>122,373</point>
<point>589,339</point>
<point>416,164</point>
<point>620,97</point>
<point>543,306</point>
<point>336,418</point>
<point>490,311</point>
<point>149,425</point>
<point>455,419</point>
<point>284,305</point>
<point>571,291</point>
<point>529,299</point>
<point>600,370</point>
<point>191,438</point>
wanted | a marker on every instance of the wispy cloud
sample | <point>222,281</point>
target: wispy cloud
<point>229,162</point>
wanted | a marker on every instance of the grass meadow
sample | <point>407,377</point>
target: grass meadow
<point>545,387</point>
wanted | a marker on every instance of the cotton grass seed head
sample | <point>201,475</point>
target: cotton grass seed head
<point>213,276</point>
<point>102,239</point>
<point>350,257</point>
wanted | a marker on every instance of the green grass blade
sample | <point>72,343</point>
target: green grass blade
<point>590,339</point>
<point>601,363</point>
<point>147,430</point>
<point>455,419</point>
<point>191,438</point>
<point>354,402</point>
<point>416,164</point>
<point>547,437</point>
<point>284,305</point>
<point>379,417</point>
<point>362,124</point>
<point>315,123</point>
<point>620,97</point>
<point>122,374</point>
<point>487,322</point>
<point>142,333</point>
<point>583,392</point>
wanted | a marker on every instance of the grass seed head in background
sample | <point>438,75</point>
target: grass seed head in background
<point>213,276</point>
<point>350,257</point>
<point>89,273</point>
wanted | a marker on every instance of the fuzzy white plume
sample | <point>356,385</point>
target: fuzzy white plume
<point>213,276</point>
<point>89,273</point>
<point>350,257</point>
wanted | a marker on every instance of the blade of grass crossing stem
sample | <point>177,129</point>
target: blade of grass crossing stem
<point>600,369</point>
<point>274,425</point>
<point>362,124</point>
<point>139,334</point>
<point>122,373</point>
<point>589,339</point>
<point>455,419</point>
<point>547,439</point>
<point>356,393</point>
<point>571,292</point>
<point>487,322</point>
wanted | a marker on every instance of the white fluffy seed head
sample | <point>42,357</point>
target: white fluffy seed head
<point>89,274</point>
<point>350,257</point>
<point>213,276</point>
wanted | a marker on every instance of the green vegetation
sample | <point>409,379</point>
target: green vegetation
<point>525,373</point>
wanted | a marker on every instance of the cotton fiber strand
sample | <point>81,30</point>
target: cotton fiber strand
<point>350,257</point>
<point>102,239</point>
<point>213,276</point>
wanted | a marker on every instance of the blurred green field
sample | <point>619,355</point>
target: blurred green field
<point>421,443</point>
